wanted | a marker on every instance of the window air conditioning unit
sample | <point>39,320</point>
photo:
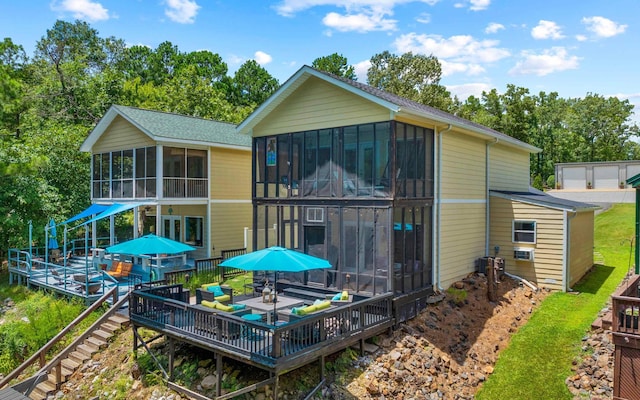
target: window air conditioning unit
<point>523,254</point>
<point>315,214</point>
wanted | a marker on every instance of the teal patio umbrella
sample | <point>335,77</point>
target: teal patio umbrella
<point>53,240</point>
<point>276,259</point>
<point>149,244</point>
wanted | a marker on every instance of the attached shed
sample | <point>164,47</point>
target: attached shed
<point>543,239</point>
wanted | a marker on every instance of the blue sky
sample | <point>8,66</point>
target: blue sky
<point>568,46</point>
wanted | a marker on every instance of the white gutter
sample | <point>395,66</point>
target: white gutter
<point>437,211</point>
<point>487,215</point>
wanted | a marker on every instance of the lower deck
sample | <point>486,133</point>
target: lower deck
<point>276,347</point>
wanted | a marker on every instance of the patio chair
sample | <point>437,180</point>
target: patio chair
<point>56,275</point>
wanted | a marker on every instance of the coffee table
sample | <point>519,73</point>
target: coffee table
<point>257,304</point>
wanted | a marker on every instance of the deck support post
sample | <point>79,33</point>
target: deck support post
<point>134,331</point>
<point>322,359</point>
<point>275,386</point>
<point>361,342</point>
<point>218,374</point>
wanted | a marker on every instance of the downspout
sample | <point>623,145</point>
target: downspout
<point>436,269</point>
<point>566,250</point>
<point>487,214</point>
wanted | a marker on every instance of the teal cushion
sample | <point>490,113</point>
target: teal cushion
<point>237,307</point>
<point>216,290</point>
<point>337,297</point>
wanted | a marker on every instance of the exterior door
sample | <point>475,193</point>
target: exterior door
<point>171,227</point>
<point>314,245</point>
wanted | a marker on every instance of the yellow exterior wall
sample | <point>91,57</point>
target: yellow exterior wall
<point>463,168</point>
<point>546,269</point>
<point>230,174</point>
<point>121,135</point>
<point>509,168</point>
<point>463,208</point>
<point>316,105</point>
<point>581,232</point>
<point>228,221</point>
<point>462,240</point>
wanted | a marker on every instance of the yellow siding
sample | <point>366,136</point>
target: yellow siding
<point>462,240</point>
<point>121,135</point>
<point>316,105</point>
<point>230,172</point>
<point>508,168</point>
<point>581,250</point>
<point>546,269</point>
<point>228,221</point>
<point>463,167</point>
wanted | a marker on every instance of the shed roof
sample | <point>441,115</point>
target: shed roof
<point>164,126</point>
<point>396,104</point>
<point>540,198</point>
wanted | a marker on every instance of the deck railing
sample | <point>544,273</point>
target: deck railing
<point>184,187</point>
<point>160,308</point>
<point>626,308</point>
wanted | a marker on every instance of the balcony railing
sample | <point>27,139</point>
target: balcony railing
<point>626,308</point>
<point>184,187</point>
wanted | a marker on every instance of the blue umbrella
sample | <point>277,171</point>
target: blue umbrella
<point>149,244</point>
<point>53,241</point>
<point>276,259</point>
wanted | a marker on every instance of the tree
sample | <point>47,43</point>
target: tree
<point>415,77</point>
<point>252,85</point>
<point>335,64</point>
<point>12,74</point>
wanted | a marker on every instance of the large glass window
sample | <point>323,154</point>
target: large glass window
<point>194,228</point>
<point>351,161</point>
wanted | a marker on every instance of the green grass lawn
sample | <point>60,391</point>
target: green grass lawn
<point>539,358</point>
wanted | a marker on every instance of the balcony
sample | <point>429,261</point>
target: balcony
<point>184,188</point>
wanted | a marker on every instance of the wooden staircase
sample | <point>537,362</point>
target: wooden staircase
<point>98,340</point>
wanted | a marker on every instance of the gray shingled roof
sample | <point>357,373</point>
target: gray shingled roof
<point>415,106</point>
<point>541,198</point>
<point>166,125</point>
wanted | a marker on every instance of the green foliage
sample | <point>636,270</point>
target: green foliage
<point>187,373</point>
<point>414,76</point>
<point>458,296</point>
<point>551,181</point>
<point>335,64</point>
<point>343,362</point>
<point>151,373</point>
<point>36,318</point>
<point>537,182</point>
<point>540,355</point>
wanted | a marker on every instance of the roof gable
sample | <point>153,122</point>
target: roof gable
<point>540,198</point>
<point>395,104</point>
<point>163,126</point>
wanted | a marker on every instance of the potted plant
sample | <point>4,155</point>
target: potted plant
<point>622,185</point>
<point>558,186</point>
<point>589,185</point>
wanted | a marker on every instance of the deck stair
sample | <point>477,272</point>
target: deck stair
<point>97,341</point>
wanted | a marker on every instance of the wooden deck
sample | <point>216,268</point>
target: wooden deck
<point>276,348</point>
<point>625,329</point>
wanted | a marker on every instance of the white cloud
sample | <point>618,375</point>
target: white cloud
<point>359,22</point>
<point>181,11</point>
<point>82,9</point>
<point>358,15</point>
<point>479,5</point>
<point>551,60</point>
<point>262,58</point>
<point>581,38</point>
<point>469,89</point>
<point>493,27</point>
<point>603,27</point>
<point>234,60</point>
<point>547,30</point>
<point>361,69</point>
<point>424,18</point>
<point>450,68</point>
<point>459,48</point>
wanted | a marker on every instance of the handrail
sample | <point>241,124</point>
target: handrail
<point>40,354</point>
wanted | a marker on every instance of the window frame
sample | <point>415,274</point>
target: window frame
<point>515,231</point>
<point>186,230</point>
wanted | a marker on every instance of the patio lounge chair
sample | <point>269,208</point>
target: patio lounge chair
<point>214,292</point>
<point>120,269</point>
